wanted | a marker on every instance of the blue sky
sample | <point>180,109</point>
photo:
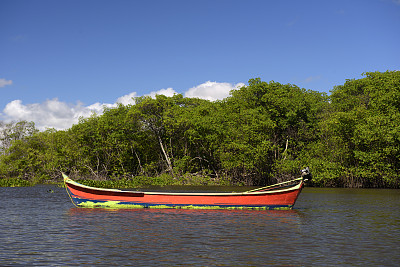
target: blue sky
<point>63,59</point>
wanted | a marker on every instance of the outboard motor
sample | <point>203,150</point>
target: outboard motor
<point>306,174</point>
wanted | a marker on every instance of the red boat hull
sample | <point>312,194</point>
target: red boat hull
<point>281,197</point>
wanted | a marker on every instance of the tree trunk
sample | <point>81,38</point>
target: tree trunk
<point>166,156</point>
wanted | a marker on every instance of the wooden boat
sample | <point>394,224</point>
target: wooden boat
<point>277,196</point>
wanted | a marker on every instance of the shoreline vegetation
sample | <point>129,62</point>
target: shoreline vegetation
<point>261,134</point>
<point>123,183</point>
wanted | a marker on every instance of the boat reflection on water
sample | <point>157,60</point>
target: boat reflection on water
<point>184,218</point>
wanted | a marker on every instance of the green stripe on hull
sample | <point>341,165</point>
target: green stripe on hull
<point>119,205</point>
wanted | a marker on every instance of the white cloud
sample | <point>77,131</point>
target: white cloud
<point>166,92</point>
<point>127,99</point>
<point>212,90</point>
<point>60,115</point>
<point>51,113</point>
<point>4,82</point>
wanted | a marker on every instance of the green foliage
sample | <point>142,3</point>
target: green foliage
<point>262,133</point>
<point>361,135</point>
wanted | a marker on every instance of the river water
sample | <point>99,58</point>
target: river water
<point>39,226</point>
